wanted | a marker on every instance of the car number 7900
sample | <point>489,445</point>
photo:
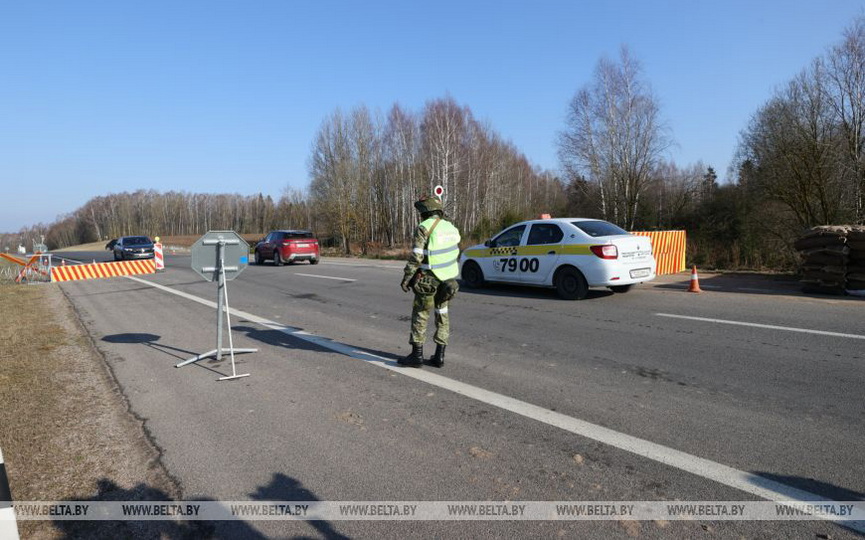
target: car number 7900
<point>524,265</point>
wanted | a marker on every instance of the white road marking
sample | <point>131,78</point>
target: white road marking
<point>768,326</point>
<point>704,468</point>
<point>362,265</point>
<point>324,277</point>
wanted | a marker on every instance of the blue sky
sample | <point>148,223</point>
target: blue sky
<point>100,97</point>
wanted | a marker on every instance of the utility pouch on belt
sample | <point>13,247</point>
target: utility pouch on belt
<point>447,290</point>
<point>426,285</point>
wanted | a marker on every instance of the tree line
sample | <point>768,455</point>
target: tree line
<point>166,214</point>
<point>800,162</point>
<point>366,172</point>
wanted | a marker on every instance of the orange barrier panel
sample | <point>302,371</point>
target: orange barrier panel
<point>668,248</point>
<point>102,270</point>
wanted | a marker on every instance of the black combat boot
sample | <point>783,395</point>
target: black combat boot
<point>414,358</point>
<point>438,359</point>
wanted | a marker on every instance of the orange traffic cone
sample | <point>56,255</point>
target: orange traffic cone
<point>695,281</point>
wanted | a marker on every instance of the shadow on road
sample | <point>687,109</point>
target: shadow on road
<point>285,488</point>
<point>824,489</point>
<point>766,285</point>
<point>278,338</point>
<point>149,340</point>
<point>107,491</point>
<point>519,291</point>
<point>280,488</point>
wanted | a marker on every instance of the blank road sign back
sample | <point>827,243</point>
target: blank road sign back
<point>205,255</point>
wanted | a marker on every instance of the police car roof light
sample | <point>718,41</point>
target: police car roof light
<point>544,216</point>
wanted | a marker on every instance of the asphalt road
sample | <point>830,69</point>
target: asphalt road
<point>717,396</point>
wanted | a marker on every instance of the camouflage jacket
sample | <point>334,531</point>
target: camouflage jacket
<point>416,257</point>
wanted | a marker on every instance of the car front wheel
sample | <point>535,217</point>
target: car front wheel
<point>472,275</point>
<point>258,258</point>
<point>570,284</point>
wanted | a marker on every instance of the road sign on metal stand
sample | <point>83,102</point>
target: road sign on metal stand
<point>220,256</point>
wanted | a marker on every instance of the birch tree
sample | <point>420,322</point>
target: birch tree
<point>614,137</point>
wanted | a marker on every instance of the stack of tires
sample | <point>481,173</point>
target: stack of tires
<point>833,259</point>
<point>856,266</point>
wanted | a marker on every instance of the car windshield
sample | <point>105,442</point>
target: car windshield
<point>137,241</point>
<point>298,234</point>
<point>599,228</point>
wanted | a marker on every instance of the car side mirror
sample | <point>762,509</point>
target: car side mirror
<point>490,243</point>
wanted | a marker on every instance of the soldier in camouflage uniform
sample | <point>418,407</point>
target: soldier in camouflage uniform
<point>431,273</point>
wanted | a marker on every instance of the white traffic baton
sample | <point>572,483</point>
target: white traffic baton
<point>8,526</point>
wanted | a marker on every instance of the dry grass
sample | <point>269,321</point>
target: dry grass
<point>65,430</point>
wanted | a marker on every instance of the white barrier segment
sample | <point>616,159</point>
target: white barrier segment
<point>8,525</point>
<point>158,258</point>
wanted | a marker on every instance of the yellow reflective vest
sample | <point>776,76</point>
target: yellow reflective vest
<point>442,249</point>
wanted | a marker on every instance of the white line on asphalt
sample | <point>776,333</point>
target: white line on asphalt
<point>768,326</point>
<point>324,277</point>
<point>364,265</point>
<point>711,470</point>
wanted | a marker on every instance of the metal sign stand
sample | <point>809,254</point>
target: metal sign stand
<point>221,307</point>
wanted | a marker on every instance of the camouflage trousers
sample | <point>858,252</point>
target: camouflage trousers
<point>430,293</point>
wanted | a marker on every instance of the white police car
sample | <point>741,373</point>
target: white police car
<point>570,254</point>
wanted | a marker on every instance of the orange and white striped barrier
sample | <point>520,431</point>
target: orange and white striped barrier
<point>668,247</point>
<point>74,272</point>
<point>158,259</point>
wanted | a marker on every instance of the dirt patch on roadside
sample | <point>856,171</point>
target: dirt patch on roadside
<point>65,428</point>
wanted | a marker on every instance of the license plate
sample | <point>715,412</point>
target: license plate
<point>642,272</point>
<point>303,245</point>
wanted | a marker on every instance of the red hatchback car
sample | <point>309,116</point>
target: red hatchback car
<point>288,246</point>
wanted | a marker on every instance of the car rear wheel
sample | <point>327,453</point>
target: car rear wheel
<point>570,284</point>
<point>621,288</point>
<point>472,275</point>
<point>313,261</point>
<point>277,260</point>
<point>258,258</point>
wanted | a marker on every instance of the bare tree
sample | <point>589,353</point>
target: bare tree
<point>332,180</point>
<point>793,143</point>
<point>614,137</point>
<point>846,84</point>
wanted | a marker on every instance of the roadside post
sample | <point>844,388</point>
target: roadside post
<point>220,256</point>
<point>157,255</point>
<point>8,526</point>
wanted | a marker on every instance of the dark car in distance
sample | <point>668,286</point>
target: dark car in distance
<point>288,246</point>
<point>133,247</point>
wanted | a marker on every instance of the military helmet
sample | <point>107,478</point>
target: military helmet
<point>429,204</point>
